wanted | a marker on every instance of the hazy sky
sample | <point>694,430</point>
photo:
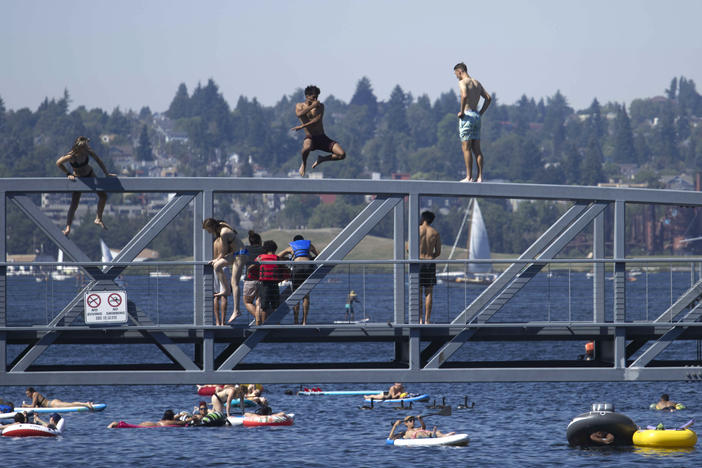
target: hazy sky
<point>131,53</point>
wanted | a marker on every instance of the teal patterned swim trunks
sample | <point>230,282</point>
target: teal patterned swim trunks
<point>469,126</point>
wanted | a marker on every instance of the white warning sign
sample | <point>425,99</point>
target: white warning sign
<point>105,307</point>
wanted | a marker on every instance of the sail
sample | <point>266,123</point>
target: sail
<point>479,246</point>
<point>106,253</point>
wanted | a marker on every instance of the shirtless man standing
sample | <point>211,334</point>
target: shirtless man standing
<point>310,114</point>
<point>429,249</point>
<point>469,120</point>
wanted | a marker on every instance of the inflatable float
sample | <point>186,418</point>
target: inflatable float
<point>255,421</point>
<point>208,390</point>
<point>455,440</point>
<point>677,407</point>
<point>317,391</point>
<point>66,409</point>
<point>601,418</point>
<point>407,399</point>
<point>666,438</point>
<point>33,430</point>
<point>126,425</point>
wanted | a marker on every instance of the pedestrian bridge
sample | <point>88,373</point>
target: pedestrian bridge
<point>530,324</point>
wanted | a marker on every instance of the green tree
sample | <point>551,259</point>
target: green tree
<point>591,168</point>
<point>144,151</point>
<point>180,105</point>
<point>624,150</point>
<point>363,96</point>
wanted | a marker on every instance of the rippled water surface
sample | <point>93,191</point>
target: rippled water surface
<point>517,424</point>
<point>512,424</point>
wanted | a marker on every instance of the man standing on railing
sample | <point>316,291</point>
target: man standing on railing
<point>429,249</point>
<point>469,120</point>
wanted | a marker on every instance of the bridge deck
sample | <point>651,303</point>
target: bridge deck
<point>627,348</point>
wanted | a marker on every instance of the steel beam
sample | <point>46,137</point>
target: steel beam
<point>546,247</point>
<point>337,249</point>
<point>323,376</point>
<point>355,186</point>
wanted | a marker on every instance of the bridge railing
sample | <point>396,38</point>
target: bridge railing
<point>530,288</point>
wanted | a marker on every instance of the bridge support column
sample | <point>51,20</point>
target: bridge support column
<point>619,284</point>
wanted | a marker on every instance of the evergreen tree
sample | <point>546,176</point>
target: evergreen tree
<point>446,104</point>
<point>118,123</point>
<point>145,113</point>
<point>363,96</point>
<point>624,150</point>
<point>2,114</point>
<point>420,122</point>
<point>597,126</point>
<point>143,150</point>
<point>591,168</point>
<point>180,105</point>
<point>671,93</point>
<point>395,117</point>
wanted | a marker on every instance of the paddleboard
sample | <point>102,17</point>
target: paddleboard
<point>254,421</point>
<point>338,392</point>
<point>409,398</point>
<point>67,409</point>
<point>351,322</point>
<point>455,440</point>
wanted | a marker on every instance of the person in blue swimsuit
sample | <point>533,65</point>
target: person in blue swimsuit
<point>300,250</point>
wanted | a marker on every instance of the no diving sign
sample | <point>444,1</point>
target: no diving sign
<point>105,307</point>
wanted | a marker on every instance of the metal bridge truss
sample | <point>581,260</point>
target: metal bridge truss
<point>422,352</point>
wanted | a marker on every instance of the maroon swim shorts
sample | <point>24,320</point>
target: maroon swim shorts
<point>321,142</point>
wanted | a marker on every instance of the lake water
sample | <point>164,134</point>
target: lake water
<point>512,424</point>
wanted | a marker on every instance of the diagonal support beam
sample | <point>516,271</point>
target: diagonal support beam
<point>545,247</point>
<point>685,301</point>
<point>70,249</point>
<point>664,341</point>
<point>343,244</point>
<point>549,253</point>
<point>72,310</point>
<point>513,270</point>
<point>337,249</point>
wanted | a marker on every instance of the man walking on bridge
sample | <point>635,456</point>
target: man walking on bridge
<point>469,120</point>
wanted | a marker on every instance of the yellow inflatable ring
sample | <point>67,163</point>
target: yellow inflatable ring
<point>667,438</point>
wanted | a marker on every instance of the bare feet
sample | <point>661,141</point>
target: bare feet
<point>66,231</point>
<point>99,222</point>
<point>302,169</point>
<point>479,179</point>
<point>320,160</point>
<point>467,179</point>
<point>234,316</point>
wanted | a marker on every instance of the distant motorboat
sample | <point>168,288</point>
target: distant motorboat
<point>478,249</point>
<point>159,274</point>
<point>185,278</point>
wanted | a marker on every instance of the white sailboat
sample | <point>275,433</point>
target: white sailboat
<point>106,257</point>
<point>62,273</point>
<point>478,249</point>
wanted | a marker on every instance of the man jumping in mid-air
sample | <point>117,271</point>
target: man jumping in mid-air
<point>310,114</point>
<point>469,120</point>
